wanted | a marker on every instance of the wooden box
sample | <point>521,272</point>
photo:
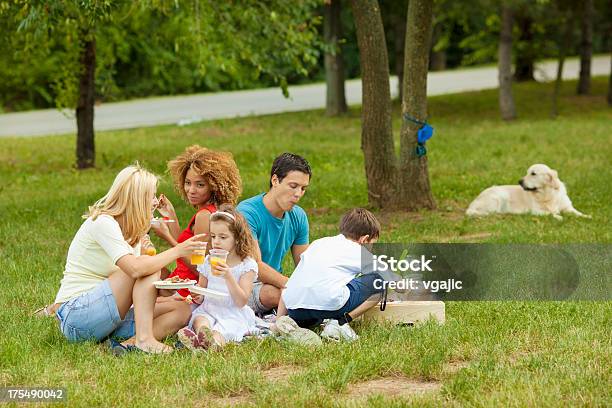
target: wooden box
<point>408,312</point>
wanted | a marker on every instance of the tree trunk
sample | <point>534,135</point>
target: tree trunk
<point>415,188</point>
<point>334,63</point>
<point>506,100</point>
<point>526,57</point>
<point>376,133</point>
<point>610,83</point>
<point>399,33</point>
<point>438,58</point>
<point>564,45</point>
<point>586,48</point>
<point>85,108</point>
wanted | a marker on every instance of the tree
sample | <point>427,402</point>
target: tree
<point>506,100</point>
<point>566,15</point>
<point>78,21</point>
<point>376,132</point>
<point>393,183</point>
<point>253,52</point>
<point>438,53</point>
<point>86,152</point>
<point>610,83</point>
<point>393,15</point>
<point>586,47</point>
<point>334,63</point>
<point>415,188</point>
<point>526,52</point>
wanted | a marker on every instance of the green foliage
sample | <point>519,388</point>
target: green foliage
<point>158,47</point>
<point>151,48</point>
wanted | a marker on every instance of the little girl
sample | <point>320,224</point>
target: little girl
<point>216,321</point>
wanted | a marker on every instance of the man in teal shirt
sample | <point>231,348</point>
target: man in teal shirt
<point>278,224</point>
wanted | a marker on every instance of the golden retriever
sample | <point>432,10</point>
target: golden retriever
<point>540,192</point>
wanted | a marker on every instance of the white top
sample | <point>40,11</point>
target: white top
<point>217,283</point>
<point>92,256</point>
<point>319,281</point>
<point>223,315</point>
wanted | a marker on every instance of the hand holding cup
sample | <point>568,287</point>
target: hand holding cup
<point>187,247</point>
<point>218,259</point>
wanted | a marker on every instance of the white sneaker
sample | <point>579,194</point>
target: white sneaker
<point>334,331</point>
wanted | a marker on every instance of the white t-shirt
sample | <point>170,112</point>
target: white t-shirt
<point>92,256</point>
<point>319,281</point>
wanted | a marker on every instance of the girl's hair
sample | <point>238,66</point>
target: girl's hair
<point>131,197</point>
<point>218,169</point>
<point>245,244</point>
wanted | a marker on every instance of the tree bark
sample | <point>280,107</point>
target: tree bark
<point>526,57</point>
<point>376,132</point>
<point>506,100</point>
<point>334,63</point>
<point>610,83</point>
<point>586,48</point>
<point>85,151</point>
<point>415,187</point>
<point>399,33</point>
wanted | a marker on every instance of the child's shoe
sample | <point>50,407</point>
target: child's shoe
<point>336,332</point>
<point>189,339</point>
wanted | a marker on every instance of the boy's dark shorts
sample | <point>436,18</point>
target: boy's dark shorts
<point>360,288</point>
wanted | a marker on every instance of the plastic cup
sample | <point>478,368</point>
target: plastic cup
<point>198,255</point>
<point>217,256</point>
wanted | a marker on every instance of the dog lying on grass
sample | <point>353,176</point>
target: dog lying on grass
<point>540,192</point>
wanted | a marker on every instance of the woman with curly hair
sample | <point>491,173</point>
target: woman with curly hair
<point>205,179</point>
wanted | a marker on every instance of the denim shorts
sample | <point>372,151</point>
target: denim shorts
<point>255,303</point>
<point>360,289</point>
<point>94,316</point>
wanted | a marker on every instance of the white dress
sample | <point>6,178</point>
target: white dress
<point>223,315</point>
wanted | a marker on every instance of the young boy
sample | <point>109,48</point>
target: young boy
<point>326,285</point>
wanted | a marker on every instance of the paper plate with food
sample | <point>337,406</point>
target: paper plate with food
<point>213,294</point>
<point>175,283</point>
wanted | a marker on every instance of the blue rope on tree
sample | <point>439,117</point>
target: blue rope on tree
<point>424,133</point>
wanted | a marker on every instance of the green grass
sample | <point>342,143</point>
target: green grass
<point>508,353</point>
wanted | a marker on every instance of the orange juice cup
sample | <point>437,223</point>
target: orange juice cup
<point>197,256</point>
<point>217,256</point>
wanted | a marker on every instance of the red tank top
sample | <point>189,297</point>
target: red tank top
<point>182,270</point>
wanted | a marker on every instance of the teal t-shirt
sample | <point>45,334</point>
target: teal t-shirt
<point>275,235</point>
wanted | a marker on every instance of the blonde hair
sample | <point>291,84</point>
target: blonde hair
<point>131,198</point>
<point>218,168</point>
<point>245,244</point>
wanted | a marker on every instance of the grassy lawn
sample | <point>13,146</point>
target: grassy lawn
<point>487,354</point>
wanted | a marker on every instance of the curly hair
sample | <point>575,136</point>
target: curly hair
<point>218,169</point>
<point>245,243</point>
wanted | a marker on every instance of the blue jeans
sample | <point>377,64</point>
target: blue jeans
<point>94,316</point>
<point>361,289</point>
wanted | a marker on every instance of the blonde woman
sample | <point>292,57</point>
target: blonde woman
<point>105,275</point>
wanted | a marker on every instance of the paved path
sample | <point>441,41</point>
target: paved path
<point>192,108</point>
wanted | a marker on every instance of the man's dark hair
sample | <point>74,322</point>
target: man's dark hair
<point>359,222</point>
<point>288,162</point>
